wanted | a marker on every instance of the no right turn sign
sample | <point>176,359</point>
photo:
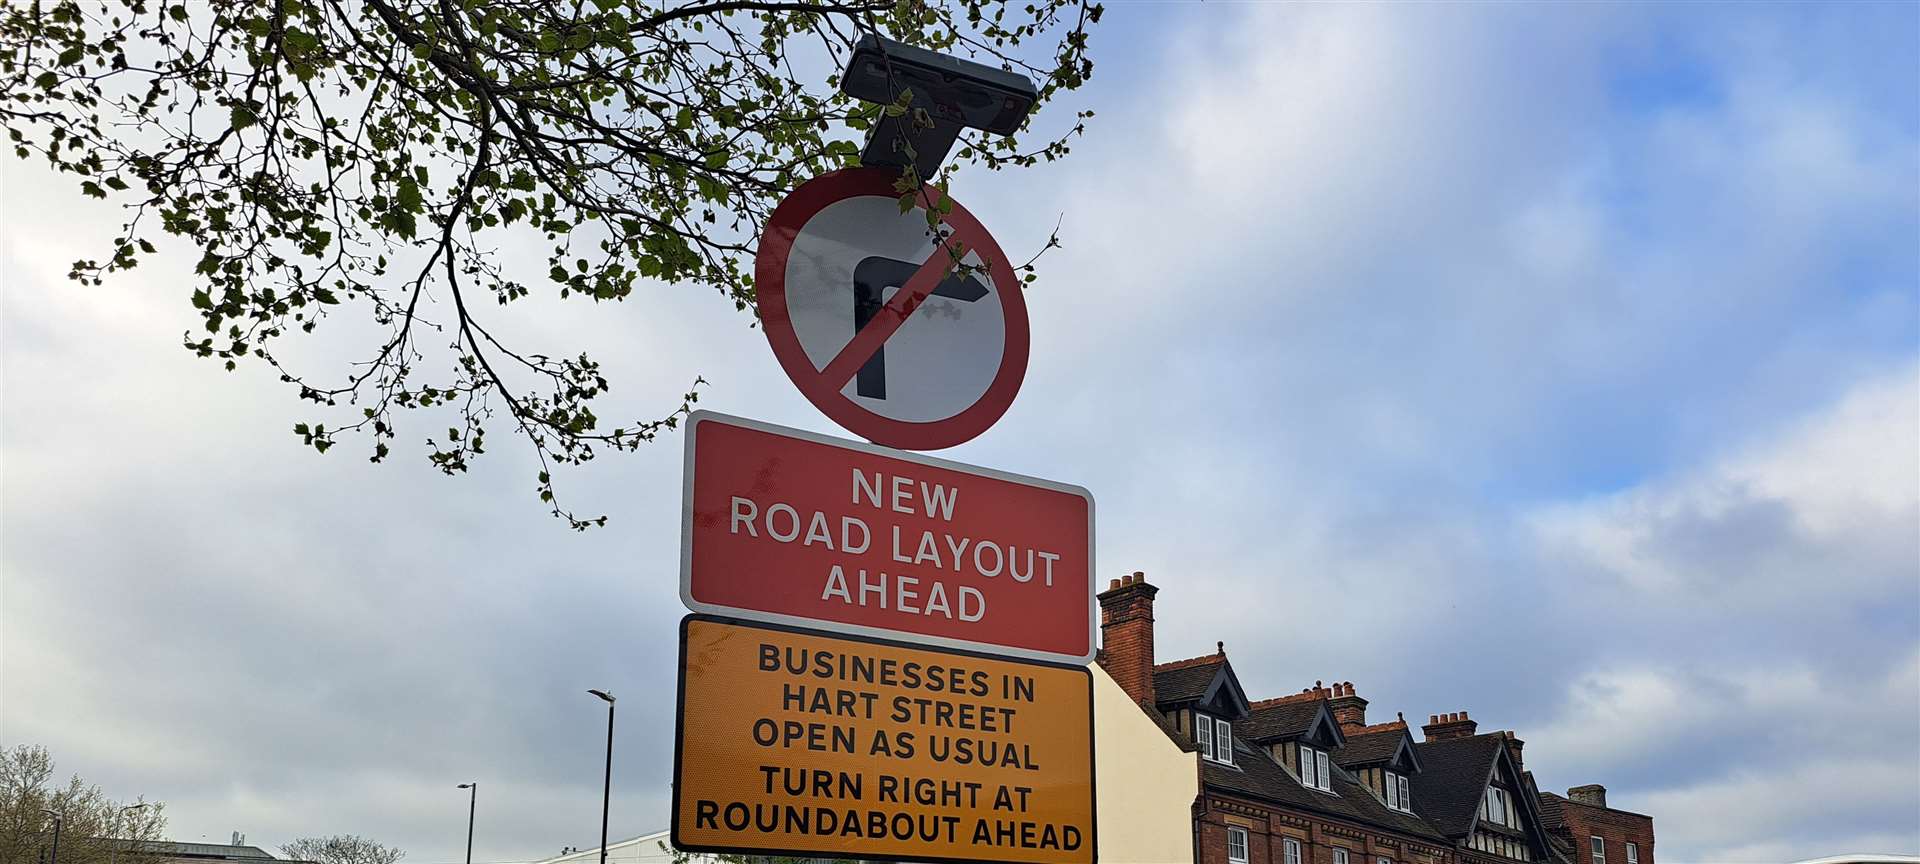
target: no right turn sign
<point>869,319</point>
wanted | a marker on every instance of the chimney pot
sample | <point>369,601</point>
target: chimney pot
<point>1454,724</point>
<point>1515,746</point>
<point>1592,794</point>
<point>1112,584</point>
<point>1349,710</point>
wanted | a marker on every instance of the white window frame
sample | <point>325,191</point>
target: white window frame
<point>1598,847</point>
<point>1633,853</point>
<point>1314,771</point>
<point>1236,833</point>
<point>1498,808</point>
<point>1383,860</point>
<point>1290,851</point>
<point>1215,737</point>
<point>1339,855</point>
<point>1399,797</point>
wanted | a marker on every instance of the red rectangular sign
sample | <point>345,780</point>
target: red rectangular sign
<point>790,527</point>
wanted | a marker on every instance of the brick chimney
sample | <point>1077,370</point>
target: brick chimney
<point>1441,727</point>
<point>1126,634</point>
<point>1349,710</point>
<point>1514,744</point>
<point>1593,794</point>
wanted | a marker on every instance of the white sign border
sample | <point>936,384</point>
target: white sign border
<point>692,425</point>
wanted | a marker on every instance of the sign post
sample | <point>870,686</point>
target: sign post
<point>888,656</point>
<point>793,742</point>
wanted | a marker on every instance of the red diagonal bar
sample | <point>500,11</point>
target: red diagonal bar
<point>888,319</point>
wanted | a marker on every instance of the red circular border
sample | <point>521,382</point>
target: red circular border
<point>770,280</point>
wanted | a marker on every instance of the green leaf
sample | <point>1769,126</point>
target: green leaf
<point>409,196</point>
<point>300,43</point>
<point>72,55</point>
<point>243,117</point>
<point>422,50</point>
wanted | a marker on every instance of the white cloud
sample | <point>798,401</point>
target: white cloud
<point>1785,727</point>
<point>1833,502</point>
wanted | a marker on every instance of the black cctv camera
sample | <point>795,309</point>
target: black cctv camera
<point>954,94</point>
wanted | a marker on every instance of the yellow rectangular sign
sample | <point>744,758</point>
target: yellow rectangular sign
<point>794,742</point>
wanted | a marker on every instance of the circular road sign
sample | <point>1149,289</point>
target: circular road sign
<point>874,325</point>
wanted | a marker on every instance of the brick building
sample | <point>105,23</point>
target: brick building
<point>1305,779</point>
<point>1595,833</point>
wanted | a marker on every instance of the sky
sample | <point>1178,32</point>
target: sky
<point>1560,364</point>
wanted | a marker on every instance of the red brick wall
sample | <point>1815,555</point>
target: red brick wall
<point>1616,827</point>
<point>1268,829</point>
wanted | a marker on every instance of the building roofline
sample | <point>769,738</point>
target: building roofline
<point>1563,798</point>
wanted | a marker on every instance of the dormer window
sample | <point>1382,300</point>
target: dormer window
<point>1497,808</point>
<point>1314,773</point>
<point>1215,736</point>
<point>1399,795</point>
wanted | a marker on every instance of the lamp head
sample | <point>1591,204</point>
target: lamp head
<point>603,694</point>
<point>468,786</point>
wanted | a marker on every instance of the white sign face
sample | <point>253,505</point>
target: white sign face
<point>847,262</point>
<point>870,319</point>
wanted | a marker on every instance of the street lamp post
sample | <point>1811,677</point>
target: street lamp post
<point>117,818</point>
<point>472,793</point>
<point>57,821</point>
<point>606,793</point>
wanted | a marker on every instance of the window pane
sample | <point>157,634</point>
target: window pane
<point>1339,855</point>
<point>1223,741</point>
<point>1306,765</point>
<point>1599,850</point>
<point>1237,845</point>
<point>1203,731</point>
<point>1392,788</point>
<point>1292,851</point>
<point>1326,778</point>
<point>1406,796</point>
<point>1633,853</point>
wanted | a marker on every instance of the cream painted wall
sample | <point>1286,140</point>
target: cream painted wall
<point>1143,785</point>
